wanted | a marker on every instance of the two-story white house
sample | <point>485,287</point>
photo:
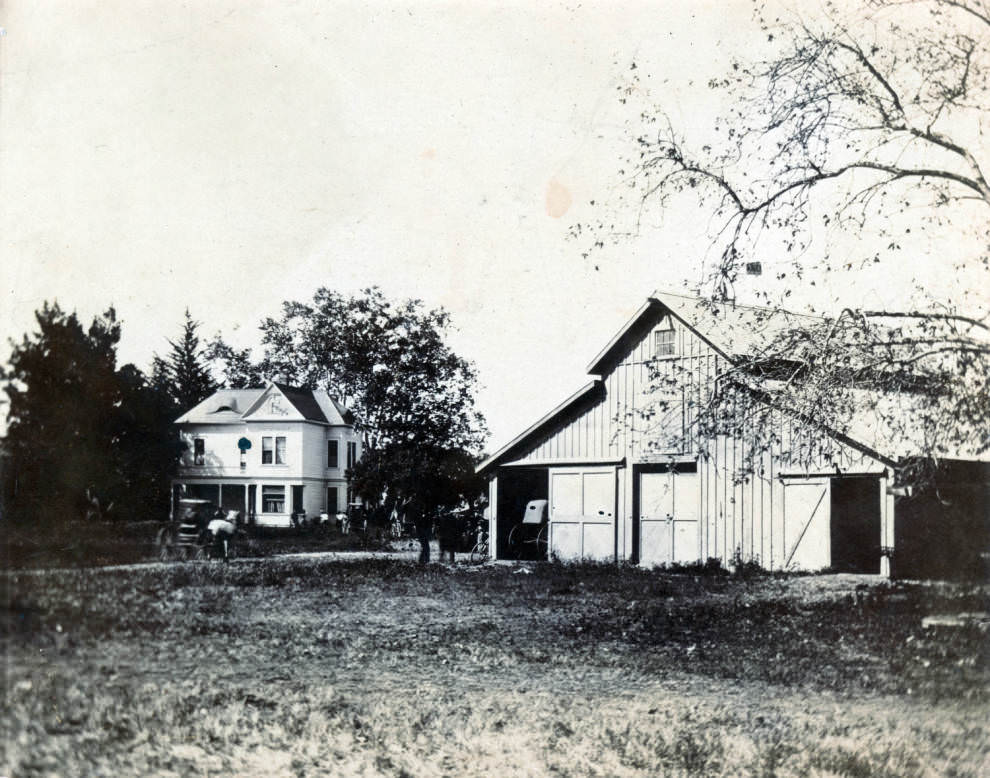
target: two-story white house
<point>268,452</point>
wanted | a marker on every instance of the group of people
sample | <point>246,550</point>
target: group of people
<point>427,520</point>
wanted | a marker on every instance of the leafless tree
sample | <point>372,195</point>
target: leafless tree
<point>866,121</point>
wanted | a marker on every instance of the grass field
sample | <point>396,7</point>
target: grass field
<point>383,667</point>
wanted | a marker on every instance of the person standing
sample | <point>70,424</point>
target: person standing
<point>419,517</point>
<point>447,534</point>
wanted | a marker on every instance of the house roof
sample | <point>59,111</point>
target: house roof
<point>232,406</point>
<point>304,402</point>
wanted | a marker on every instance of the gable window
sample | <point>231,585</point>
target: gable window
<point>351,454</point>
<point>273,450</point>
<point>664,343</point>
<point>332,459</point>
<point>199,451</point>
<point>273,499</point>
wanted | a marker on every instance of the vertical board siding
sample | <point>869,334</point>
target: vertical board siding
<point>740,514</point>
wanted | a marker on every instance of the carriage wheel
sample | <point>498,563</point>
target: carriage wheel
<point>163,544</point>
<point>541,541</point>
<point>515,542</point>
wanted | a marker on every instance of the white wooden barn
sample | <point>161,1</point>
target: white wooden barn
<point>618,490</point>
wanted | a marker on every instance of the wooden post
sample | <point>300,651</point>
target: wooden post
<point>493,518</point>
<point>887,536</point>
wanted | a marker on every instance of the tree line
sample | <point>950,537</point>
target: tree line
<point>87,437</point>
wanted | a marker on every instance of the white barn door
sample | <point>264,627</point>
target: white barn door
<point>582,514</point>
<point>807,533</point>
<point>668,518</point>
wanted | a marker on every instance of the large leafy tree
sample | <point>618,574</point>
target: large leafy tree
<point>234,366</point>
<point>390,364</point>
<point>184,373</point>
<point>83,438</point>
<point>868,123</point>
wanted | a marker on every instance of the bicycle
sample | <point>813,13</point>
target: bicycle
<point>481,552</point>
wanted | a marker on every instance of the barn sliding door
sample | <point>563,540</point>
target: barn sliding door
<point>807,541</point>
<point>582,514</point>
<point>668,518</point>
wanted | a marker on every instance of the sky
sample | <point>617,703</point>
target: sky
<point>226,156</point>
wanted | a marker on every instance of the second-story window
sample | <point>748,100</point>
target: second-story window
<point>351,454</point>
<point>273,451</point>
<point>332,460</point>
<point>665,344</point>
<point>199,451</point>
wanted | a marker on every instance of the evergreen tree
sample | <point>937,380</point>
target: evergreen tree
<point>147,446</point>
<point>82,433</point>
<point>184,373</point>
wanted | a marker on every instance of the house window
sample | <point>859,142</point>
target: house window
<point>664,343</point>
<point>273,499</point>
<point>199,451</point>
<point>351,454</point>
<point>331,499</point>
<point>273,451</point>
<point>332,460</point>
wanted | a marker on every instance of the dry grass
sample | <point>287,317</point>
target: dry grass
<point>309,667</point>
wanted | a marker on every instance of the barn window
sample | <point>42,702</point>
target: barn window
<point>664,342</point>
<point>273,499</point>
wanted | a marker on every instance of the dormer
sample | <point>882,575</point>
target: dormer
<point>225,404</point>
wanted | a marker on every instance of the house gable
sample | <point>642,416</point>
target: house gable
<point>273,405</point>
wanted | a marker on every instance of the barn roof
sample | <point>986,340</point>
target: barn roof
<point>737,331</point>
<point>589,389</point>
<point>732,329</point>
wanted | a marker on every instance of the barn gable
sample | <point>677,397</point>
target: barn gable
<point>626,477</point>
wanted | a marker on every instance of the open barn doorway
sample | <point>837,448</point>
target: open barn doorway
<point>516,487</point>
<point>855,525</point>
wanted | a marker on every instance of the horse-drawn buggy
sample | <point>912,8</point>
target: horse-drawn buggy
<point>198,530</point>
<point>528,539</point>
